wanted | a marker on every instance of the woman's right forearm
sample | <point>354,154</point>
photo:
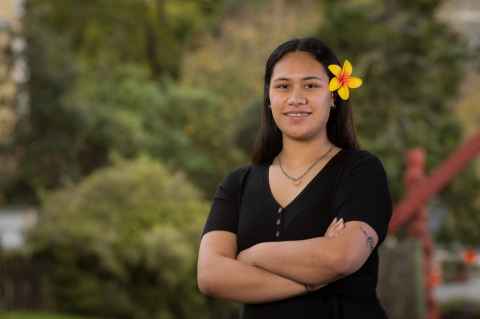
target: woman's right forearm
<point>231,279</point>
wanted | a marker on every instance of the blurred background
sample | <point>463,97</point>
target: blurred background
<point>118,119</point>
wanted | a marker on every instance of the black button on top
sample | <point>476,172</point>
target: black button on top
<point>277,233</point>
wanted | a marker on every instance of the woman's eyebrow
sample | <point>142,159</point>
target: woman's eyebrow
<point>312,78</point>
<point>303,79</point>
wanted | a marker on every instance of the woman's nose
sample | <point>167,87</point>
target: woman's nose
<point>296,99</point>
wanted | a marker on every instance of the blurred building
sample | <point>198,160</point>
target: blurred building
<point>13,224</point>
<point>12,67</point>
<point>464,16</point>
<point>13,98</point>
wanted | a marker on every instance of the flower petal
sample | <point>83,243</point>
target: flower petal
<point>335,69</point>
<point>334,84</point>
<point>347,68</point>
<point>354,82</point>
<point>344,92</point>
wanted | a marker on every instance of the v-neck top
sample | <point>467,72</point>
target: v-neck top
<point>305,188</point>
<point>352,185</point>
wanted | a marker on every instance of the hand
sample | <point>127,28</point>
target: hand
<point>335,228</point>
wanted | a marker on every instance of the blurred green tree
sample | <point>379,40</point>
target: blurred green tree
<point>96,87</point>
<point>125,112</point>
<point>123,243</point>
<point>129,114</point>
<point>150,33</point>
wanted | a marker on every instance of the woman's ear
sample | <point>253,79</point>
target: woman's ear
<point>332,99</point>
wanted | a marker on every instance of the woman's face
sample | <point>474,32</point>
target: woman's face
<point>299,96</point>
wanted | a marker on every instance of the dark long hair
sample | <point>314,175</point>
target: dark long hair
<point>340,128</point>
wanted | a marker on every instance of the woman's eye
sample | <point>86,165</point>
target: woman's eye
<point>281,86</point>
<point>312,85</point>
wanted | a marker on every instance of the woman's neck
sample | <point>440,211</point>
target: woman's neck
<point>298,154</point>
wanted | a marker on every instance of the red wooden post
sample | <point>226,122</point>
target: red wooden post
<point>414,176</point>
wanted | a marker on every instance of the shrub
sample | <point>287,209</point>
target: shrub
<point>123,243</point>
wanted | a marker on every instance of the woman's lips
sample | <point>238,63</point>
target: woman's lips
<point>297,117</point>
<point>297,114</point>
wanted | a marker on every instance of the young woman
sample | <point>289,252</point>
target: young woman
<point>295,234</point>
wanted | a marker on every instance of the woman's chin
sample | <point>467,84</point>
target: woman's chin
<point>299,135</point>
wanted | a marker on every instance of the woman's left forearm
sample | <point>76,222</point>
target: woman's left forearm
<point>311,261</point>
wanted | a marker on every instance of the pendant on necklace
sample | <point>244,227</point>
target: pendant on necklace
<point>298,182</point>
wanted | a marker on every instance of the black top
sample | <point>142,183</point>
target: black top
<point>353,185</point>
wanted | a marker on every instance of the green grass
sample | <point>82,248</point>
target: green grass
<point>36,315</point>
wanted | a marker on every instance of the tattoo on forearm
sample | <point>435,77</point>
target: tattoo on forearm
<point>369,238</point>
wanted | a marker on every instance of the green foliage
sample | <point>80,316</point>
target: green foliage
<point>248,123</point>
<point>123,243</point>
<point>462,221</point>
<point>37,315</point>
<point>150,33</point>
<point>128,113</point>
<point>91,95</point>
<point>47,133</point>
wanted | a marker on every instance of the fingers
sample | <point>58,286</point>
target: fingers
<point>335,222</point>
<point>332,224</point>
<point>335,227</point>
<point>340,224</point>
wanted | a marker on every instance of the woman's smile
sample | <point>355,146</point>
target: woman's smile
<point>296,118</point>
<point>297,114</point>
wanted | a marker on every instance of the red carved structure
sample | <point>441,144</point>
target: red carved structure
<point>413,207</point>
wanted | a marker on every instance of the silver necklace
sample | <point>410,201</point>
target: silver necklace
<point>297,180</point>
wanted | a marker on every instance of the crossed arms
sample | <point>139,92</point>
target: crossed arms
<point>272,271</point>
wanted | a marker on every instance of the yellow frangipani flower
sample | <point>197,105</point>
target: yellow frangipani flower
<point>343,80</point>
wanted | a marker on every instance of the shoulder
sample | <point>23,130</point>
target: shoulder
<point>238,171</point>
<point>234,179</point>
<point>355,160</point>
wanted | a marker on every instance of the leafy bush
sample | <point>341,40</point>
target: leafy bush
<point>123,243</point>
<point>126,112</point>
<point>37,315</point>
